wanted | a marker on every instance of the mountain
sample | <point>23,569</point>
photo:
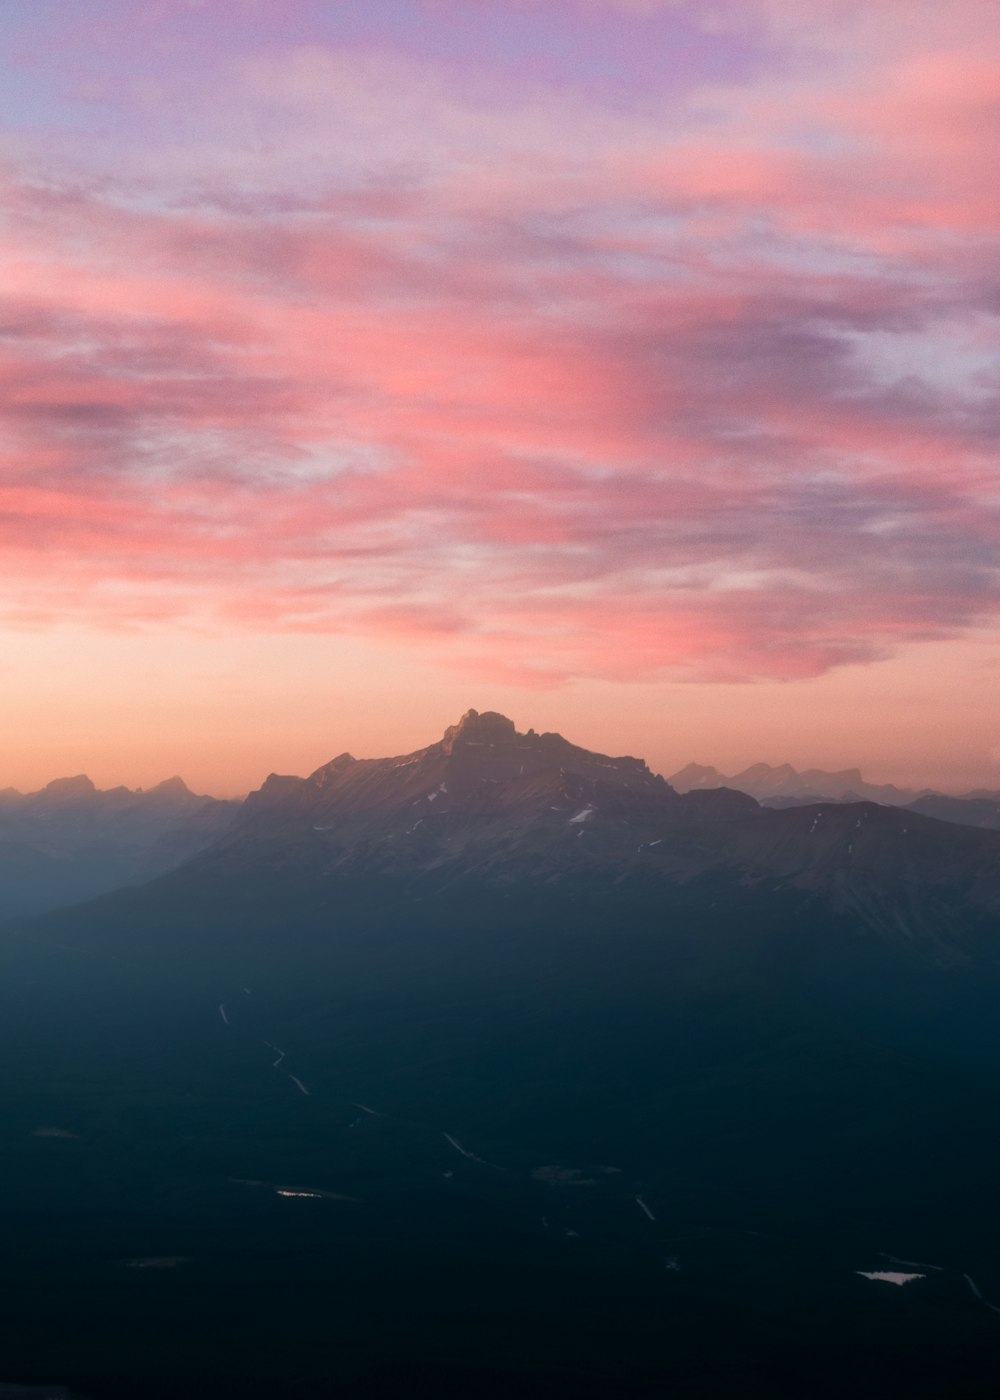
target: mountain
<point>972,810</point>
<point>696,776</point>
<point>783,786</point>
<point>70,841</point>
<point>487,806</point>
<point>484,802</point>
<point>769,783</point>
<point>502,1067</point>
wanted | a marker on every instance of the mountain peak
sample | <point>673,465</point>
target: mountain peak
<point>172,787</point>
<point>777,772</point>
<point>696,776</point>
<point>330,771</point>
<point>475,728</point>
<point>78,786</point>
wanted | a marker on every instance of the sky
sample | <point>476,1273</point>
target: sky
<point>628,366</point>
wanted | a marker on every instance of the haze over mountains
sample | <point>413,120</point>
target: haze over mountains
<point>767,782</point>
<point>501,1067</point>
<point>489,806</point>
<point>69,841</point>
<point>782,786</point>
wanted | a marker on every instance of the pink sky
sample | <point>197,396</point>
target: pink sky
<point>628,365</point>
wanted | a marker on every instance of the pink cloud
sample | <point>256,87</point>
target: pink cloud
<point>549,392</point>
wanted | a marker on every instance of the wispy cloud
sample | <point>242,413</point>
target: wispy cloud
<point>549,385</point>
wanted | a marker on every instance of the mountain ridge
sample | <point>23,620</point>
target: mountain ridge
<point>490,806</point>
<point>782,785</point>
<point>766,780</point>
<point>70,840</point>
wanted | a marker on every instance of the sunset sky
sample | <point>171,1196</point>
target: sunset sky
<point>630,366</point>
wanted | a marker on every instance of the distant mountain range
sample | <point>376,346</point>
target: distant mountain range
<point>504,1068</point>
<point>782,786</point>
<point>69,841</point>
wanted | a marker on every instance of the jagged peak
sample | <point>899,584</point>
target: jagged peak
<point>696,776</point>
<point>78,786</point>
<point>279,783</point>
<point>784,770</point>
<point>473,727</point>
<point>171,787</point>
<point>335,766</point>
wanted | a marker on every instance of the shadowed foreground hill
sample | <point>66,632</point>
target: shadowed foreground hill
<point>502,1068</point>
